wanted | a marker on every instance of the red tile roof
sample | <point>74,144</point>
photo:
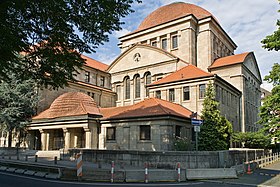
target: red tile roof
<point>229,60</point>
<point>171,12</point>
<point>146,108</point>
<point>95,64</point>
<point>70,104</point>
<point>186,73</point>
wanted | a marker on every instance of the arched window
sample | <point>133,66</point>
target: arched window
<point>137,85</point>
<point>127,87</point>
<point>148,80</point>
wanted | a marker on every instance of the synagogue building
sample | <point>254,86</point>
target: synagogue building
<point>147,96</point>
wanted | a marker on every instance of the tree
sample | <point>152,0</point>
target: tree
<point>272,42</point>
<point>43,39</point>
<point>270,110</point>
<point>18,101</point>
<point>254,140</point>
<point>216,129</point>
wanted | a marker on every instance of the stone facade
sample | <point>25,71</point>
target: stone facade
<point>192,38</point>
<point>148,94</point>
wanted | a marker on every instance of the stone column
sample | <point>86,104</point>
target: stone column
<point>66,138</point>
<point>88,140</point>
<point>43,140</point>
<point>47,141</point>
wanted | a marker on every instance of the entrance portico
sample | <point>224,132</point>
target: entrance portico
<point>70,122</point>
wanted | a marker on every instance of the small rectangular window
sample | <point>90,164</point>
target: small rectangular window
<point>145,132</point>
<point>92,95</point>
<point>102,81</point>
<point>201,91</point>
<point>178,131</point>
<point>111,133</point>
<point>174,42</point>
<point>87,76</point>
<point>186,93</point>
<point>158,94</point>
<point>164,44</point>
<point>154,43</point>
<point>171,95</point>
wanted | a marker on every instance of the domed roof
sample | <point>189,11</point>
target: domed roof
<point>171,12</point>
<point>71,104</point>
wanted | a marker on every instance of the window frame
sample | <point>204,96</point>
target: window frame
<point>146,129</point>
<point>127,88</point>
<point>172,42</point>
<point>148,75</point>
<point>111,137</point>
<point>202,91</point>
<point>184,93</point>
<point>163,40</point>
<point>102,81</point>
<point>87,76</point>
<point>158,94</point>
<point>171,93</point>
<point>137,86</point>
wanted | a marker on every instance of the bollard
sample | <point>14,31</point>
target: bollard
<point>26,157</point>
<point>79,166</point>
<point>112,171</point>
<point>17,157</point>
<point>146,172</point>
<point>55,160</point>
<point>179,171</point>
<point>249,169</point>
<point>10,157</point>
<point>36,158</point>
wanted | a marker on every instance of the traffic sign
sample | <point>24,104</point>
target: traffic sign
<point>196,128</point>
<point>197,122</point>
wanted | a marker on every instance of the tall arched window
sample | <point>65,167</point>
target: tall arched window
<point>127,87</point>
<point>148,80</point>
<point>137,85</point>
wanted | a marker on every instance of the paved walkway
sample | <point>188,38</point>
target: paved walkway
<point>268,176</point>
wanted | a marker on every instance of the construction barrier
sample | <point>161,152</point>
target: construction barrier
<point>146,172</point>
<point>79,165</point>
<point>179,171</point>
<point>112,171</point>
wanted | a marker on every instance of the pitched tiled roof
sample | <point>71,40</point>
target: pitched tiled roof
<point>186,73</point>
<point>171,12</point>
<point>95,64</point>
<point>70,104</point>
<point>146,108</point>
<point>229,60</point>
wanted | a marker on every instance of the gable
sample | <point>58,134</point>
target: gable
<point>140,56</point>
<point>251,64</point>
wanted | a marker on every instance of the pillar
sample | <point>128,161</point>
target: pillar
<point>43,140</point>
<point>88,141</point>
<point>66,138</point>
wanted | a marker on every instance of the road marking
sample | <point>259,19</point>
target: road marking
<point>103,184</point>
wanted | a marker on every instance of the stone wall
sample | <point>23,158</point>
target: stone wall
<point>168,160</point>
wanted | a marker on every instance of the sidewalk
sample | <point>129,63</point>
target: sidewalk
<point>267,176</point>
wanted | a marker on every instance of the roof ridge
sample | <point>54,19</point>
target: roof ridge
<point>160,105</point>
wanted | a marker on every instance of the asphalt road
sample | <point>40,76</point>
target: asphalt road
<point>14,180</point>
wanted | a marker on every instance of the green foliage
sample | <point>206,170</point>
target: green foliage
<point>18,102</point>
<point>270,110</point>
<point>272,42</point>
<point>182,144</point>
<point>257,140</point>
<point>50,35</point>
<point>216,129</point>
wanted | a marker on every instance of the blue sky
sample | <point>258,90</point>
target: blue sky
<point>246,22</point>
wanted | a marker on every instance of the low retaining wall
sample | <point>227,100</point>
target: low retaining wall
<point>168,160</point>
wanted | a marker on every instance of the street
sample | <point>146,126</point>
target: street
<point>13,180</point>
